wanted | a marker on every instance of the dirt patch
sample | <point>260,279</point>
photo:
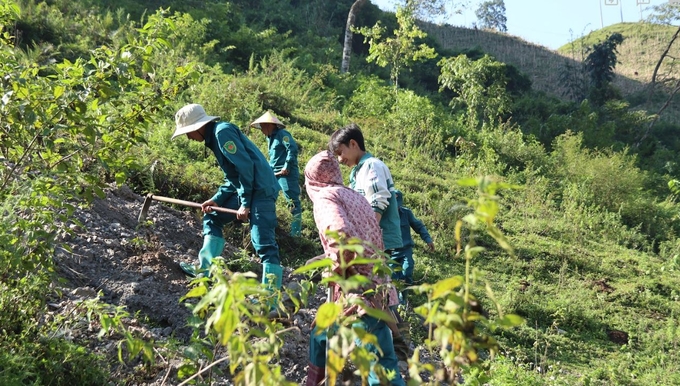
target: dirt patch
<point>602,285</point>
<point>137,267</point>
<point>618,336</point>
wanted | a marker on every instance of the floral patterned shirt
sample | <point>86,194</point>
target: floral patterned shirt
<point>341,209</point>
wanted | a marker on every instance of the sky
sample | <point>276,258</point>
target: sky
<point>553,23</point>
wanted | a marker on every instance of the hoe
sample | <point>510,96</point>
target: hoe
<point>150,197</point>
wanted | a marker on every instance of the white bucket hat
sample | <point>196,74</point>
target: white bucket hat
<point>267,118</point>
<point>191,118</point>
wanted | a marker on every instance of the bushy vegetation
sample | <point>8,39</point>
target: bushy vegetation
<point>584,244</point>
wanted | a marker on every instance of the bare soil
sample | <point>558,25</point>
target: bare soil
<point>108,256</point>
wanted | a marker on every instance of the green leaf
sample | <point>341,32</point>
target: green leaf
<point>99,192</point>
<point>378,314</point>
<point>315,265</point>
<point>444,287</point>
<point>192,353</point>
<point>327,315</point>
<point>361,357</point>
<point>147,349</point>
<point>511,320</point>
<point>471,219</point>
<point>334,366</point>
<point>120,352</point>
<point>58,91</point>
<point>186,370</point>
<point>674,186</point>
<point>500,239</point>
<point>120,177</point>
<point>195,292</point>
<point>474,250</point>
<point>227,325</point>
<point>364,261</point>
<point>467,182</point>
<point>163,42</point>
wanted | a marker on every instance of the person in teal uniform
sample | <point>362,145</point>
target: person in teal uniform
<point>249,187</point>
<point>404,256</point>
<point>283,159</point>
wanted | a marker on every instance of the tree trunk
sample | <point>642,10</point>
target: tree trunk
<point>653,83</point>
<point>347,48</point>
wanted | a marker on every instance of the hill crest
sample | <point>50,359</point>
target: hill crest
<point>637,55</point>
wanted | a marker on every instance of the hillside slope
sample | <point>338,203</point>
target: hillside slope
<point>638,53</point>
<point>540,63</point>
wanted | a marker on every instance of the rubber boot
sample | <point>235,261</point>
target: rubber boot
<point>296,225</point>
<point>400,348</point>
<point>272,283</point>
<point>403,297</point>
<point>315,375</point>
<point>293,289</point>
<point>212,247</point>
<point>403,341</point>
<point>269,270</point>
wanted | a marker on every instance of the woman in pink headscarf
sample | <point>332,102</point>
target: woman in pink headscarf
<point>341,209</point>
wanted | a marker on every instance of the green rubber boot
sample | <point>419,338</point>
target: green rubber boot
<point>212,247</point>
<point>272,269</point>
<point>189,269</point>
<point>296,225</point>
<point>272,277</point>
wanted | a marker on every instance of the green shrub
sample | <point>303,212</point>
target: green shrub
<point>536,114</point>
<point>513,151</point>
<point>603,178</point>
<point>669,252</point>
<point>418,126</point>
<point>371,98</point>
<point>71,133</point>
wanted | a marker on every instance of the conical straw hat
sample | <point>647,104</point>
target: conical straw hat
<point>267,118</point>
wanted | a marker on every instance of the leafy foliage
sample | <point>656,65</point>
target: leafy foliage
<point>457,320</point>
<point>674,186</point>
<point>479,86</point>
<point>237,307</point>
<point>665,13</point>
<point>575,80</point>
<point>66,129</point>
<point>600,64</point>
<point>371,97</point>
<point>491,14</point>
<point>399,51</point>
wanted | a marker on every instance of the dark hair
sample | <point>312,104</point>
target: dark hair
<point>344,135</point>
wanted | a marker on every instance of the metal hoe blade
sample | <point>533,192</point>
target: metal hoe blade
<point>145,208</point>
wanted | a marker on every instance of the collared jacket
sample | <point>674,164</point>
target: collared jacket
<point>373,180</point>
<point>283,152</point>
<point>246,171</point>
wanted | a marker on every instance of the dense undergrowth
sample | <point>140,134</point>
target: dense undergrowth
<point>593,227</point>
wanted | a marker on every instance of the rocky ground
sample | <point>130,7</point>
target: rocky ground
<point>108,256</point>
